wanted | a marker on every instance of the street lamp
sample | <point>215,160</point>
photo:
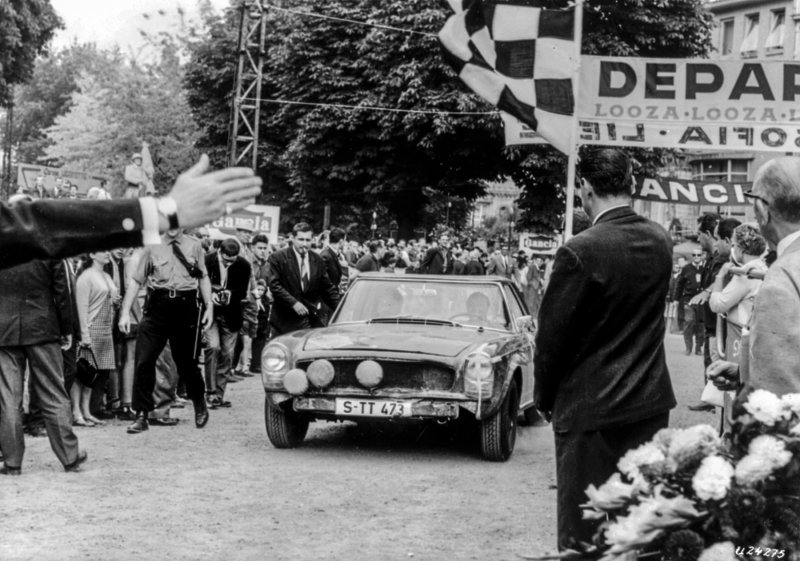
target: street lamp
<point>374,225</point>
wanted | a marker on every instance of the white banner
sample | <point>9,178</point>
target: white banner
<point>259,219</point>
<point>688,103</point>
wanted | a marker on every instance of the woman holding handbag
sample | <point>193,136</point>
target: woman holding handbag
<point>96,296</point>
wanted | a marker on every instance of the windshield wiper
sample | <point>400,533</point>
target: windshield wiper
<point>414,320</point>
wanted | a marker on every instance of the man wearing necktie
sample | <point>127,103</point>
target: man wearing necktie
<point>299,283</point>
<point>174,272</point>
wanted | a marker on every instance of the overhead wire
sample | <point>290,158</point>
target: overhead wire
<point>369,107</point>
<point>347,20</point>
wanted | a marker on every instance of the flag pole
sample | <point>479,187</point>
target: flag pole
<point>572,160</point>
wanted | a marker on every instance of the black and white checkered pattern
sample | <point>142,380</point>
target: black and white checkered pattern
<point>519,57</point>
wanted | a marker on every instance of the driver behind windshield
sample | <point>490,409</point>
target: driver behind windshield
<point>478,305</point>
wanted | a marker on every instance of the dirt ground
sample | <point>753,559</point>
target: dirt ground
<point>351,493</point>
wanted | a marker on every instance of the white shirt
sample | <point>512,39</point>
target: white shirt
<point>302,265</point>
<point>786,242</point>
<point>596,218</point>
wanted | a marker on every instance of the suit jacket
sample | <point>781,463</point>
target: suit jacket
<point>687,285</point>
<point>367,263</point>
<point>599,360</point>
<point>56,229</point>
<point>35,306</point>
<point>458,267</point>
<point>238,282</point>
<point>775,327</point>
<point>286,288</point>
<point>474,267</point>
<point>436,262</point>
<point>497,267</point>
<point>332,266</point>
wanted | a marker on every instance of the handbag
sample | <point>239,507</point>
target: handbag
<point>85,371</point>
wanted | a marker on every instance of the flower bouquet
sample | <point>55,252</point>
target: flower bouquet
<point>687,495</point>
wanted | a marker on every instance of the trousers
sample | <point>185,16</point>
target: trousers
<point>220,343</point>
<point>166,319</point>
<point>590,457</point>
<point>48,383</point>
<point>164,394</point>
<point>693,327</point>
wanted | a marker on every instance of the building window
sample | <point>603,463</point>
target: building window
<point>727,37</point>
<point>776,31</point>
<point>797,39</point>
<point>750,43</point>
<point>720,170</point>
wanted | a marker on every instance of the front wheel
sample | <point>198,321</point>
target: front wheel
<point>285,427</point>
<point>499,432</point>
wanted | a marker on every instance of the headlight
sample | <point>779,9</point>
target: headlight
<point>274,366</point>
<point>478,379</point>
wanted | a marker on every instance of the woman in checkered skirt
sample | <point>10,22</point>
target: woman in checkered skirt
<point>96,296</point>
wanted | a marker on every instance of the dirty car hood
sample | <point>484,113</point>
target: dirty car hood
<point>434,340</point>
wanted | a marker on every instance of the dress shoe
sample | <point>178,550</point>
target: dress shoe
<point>212,401</point>
<point>104,414</point>
<point>223,403</point>
<point>701,407</point>
<point>8,470</point>
<point>75,466</point>
<point>245,374</point>
<point>164,422</point>
<point>178,404</point>
<point>140,424</point>
<point>200,414</point>
<point>125,414</point>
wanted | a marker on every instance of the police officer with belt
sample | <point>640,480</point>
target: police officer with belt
<point>173,271</point>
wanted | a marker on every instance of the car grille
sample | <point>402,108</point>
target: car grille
<point>399,375</point>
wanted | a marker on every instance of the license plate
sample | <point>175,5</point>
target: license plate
<point>373,408</point>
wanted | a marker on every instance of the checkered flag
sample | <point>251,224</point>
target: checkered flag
<point>519,57</point>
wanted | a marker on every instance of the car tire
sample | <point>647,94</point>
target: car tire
<point>499,432</point>
<point>285,427</point>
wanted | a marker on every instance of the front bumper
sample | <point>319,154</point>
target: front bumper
<point>420,408</point>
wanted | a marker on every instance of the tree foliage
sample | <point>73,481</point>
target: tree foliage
<point>26,27</point>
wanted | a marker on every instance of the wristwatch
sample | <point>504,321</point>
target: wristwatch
<point>169,208</point>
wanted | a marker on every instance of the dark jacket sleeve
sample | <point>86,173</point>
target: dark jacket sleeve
<point>62,297</point>
<point>559,315</point>
<point>56,229</point>
<point>329,291</point>
<point>277,267</point>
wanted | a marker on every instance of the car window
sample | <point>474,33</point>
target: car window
<point>479,304</point>
<point>516,308</point>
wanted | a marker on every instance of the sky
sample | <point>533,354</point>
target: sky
<point>109,22</point>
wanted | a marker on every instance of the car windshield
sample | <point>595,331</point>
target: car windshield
<point>410,300</point>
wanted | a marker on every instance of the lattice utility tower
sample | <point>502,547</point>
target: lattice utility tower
<point>246,106</point>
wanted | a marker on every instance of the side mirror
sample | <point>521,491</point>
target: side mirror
<point>525,323</point>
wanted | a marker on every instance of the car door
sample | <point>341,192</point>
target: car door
<point>517,310</point>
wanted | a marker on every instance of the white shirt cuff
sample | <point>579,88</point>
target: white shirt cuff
<point>150,234</point>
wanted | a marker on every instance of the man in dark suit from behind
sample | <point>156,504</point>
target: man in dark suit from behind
<point>599,365</point>
<point>299,284</point>
<point>229,274</point>
<point>474,265</point>
<point>335,265</point>
<point>371,261</point>
<point>438,260</point>
<point>35,326</point>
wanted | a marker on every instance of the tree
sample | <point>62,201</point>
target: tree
<point>26,27</point>
<point>113,112</point>
<point>357,158</point>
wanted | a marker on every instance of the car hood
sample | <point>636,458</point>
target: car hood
<point>433,340</point>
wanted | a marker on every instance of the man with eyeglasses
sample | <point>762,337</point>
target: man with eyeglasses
<point>688,286</point>
<point>775,323</point>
